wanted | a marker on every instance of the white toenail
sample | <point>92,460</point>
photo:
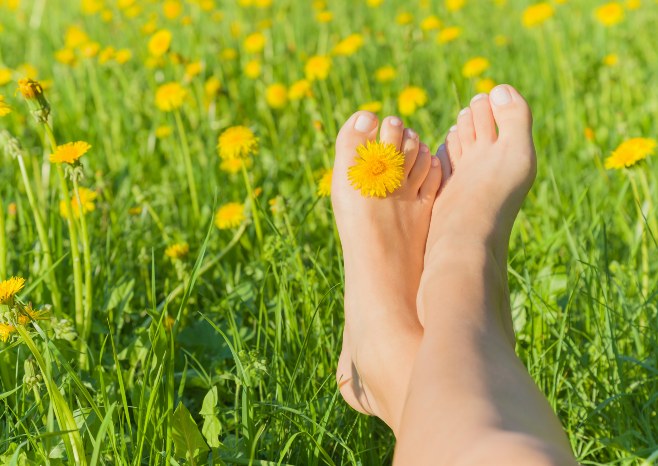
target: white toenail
<point>411,133</point>
<point>500,95</point>
<point>479,97</point>
<point>395,121</point>
<point>464,111</point>
<point>435,162</point>
<point>365,123</point>
<point>453,128</point>
<point>424,148</point>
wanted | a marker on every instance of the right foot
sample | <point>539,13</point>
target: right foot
<point>493,171</point>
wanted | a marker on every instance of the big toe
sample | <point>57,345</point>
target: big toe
<point>511,112</point>
<point>359,128</point>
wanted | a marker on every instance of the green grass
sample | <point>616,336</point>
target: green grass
<point>246,373</point>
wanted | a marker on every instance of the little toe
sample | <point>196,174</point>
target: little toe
<point>391,131</point>
<point>465,128</point>
<point>511,112</point>
<point>410,147</point>
<point>483,120</point>
<point>358,129</point>
<point>420,168</point>
<point>446,167</point>
<point>430,187</point>
<point>453,148</point>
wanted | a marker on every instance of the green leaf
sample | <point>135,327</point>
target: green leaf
<point>188,441</point>
<point>211,425</point>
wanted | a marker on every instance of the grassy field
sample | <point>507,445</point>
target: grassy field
<point>168,329</point>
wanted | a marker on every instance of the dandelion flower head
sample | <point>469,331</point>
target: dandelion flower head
<point>9,288</point>
<point>324,186</point>
<point>229,215</point>
<point>70,152</point>
<point>170,96</point>
<point>237,142</point>
<point>536,14</point>
<point>475,67</point>
<point>177,250</point>
<point>410,99</point>
<point>378,170</point>
<point>6,330</point>
<point>29,88</point>
<point>630,152</point>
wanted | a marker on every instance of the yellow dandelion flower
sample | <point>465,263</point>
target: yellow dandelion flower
<point>252,69</point>
<point>374,3</point>
<point>404,18</point>
<point>448,34</point>
<point>70,152</point>
<point>317,68</point>
<point>484,85</point>
<point>454,5</point>
<point>229,54</point>
<point>162,132</point>
<point>65,56</point>
<point>430,23</point>
<point>4,108</point>
<point>237,142</point>
<point>9,289</point>
<point>29,314</point>
<point>177,250</point>
<point>630,152</point>
<point>29,88</point>
<point>87,198</point>
<point>374,106</point>
<point>611,59</point>
<point>229,215</point>
<point>254,43</point>
<point>385,74</point>
<point>233,166</point>
<point>324,186</point>
<point>212,86</point>
<point>475,67</point>
<point>159,43</point>
<point>589,134</point>
<point>75,37</point>
<point>378,170</point>
<point>172,9</point>
<point>349,46</point>
<point>299,90</point>
<point>193,69</point>
<point>23,319</point>
<point>276,95</point>
<point>410,99</point>
<point>5,76</point>
<point>324,17</point>
<point>534,15</point>
<point>633,4</point>
<point>91,49</point>
<point>609,14</point>
<point>170,96</point>
<point>6,331</point>
<point>106,55</point>
<point>123,55</point>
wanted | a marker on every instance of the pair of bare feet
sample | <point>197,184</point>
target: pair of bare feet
<point>430,259</point>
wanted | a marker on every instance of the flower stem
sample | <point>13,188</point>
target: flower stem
<point>86,251</point>
<point>643,238</point>
<point>73,236</point>
<point>3,242</point>
<point>188,164</point>
<point>252,204</point>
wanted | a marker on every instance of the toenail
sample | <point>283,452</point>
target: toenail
<point>464,111</point>
<point>500,95</point>
<point>479,97</point>
<point>365,123</point>
<point>435,161</point>
<point>453,128</point>
<point>394,121</point>
<point>424,148</point>
<point>411,133</point>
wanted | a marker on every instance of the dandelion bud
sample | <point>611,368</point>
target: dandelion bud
<point>33,93</point>
<point>11,144</point>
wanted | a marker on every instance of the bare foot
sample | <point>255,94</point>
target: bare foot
<point>493,171</point>
<point>383,242</point>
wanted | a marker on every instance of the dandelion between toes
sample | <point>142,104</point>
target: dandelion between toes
<point>428,344</point>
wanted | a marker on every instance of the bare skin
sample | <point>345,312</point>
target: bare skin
<point>383,244</point>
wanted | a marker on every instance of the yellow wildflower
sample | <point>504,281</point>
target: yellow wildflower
<point>609,14</point>
<point>475,67</point>
<point>378,169</point>
<point>29,314</point>
<point>4,108</point>
<point>229,54</point>
<point>177,250</point>
<point>410,99</point>
<point>159,43</point>
<point>276,95</point>
<point>317,68</point>
<point>193,69</point>
<point>162,132</point>
<point>212,86</point>
<point>106,55</point>
<point>324,16</point>
<point>404,18</point>
<point>170,96</point>
<point>5,76</point>
<point>87,198</point>
<point>630,152</point>
<point>324,186</point>
<point>29,88</point>
<point>611,59</point>
<point>299,89</point>
<point>484,85</point>
<point>69,152</point>
<point>252,69</point>
<point>229,215</point>
<point>90,49</point>
<point>454,5</point>
<point>172,9</point>
<point>75,37</point>
<point>448,34</point>
<point>534,15</point>
<point>9,289</point>
<point>123,55</point>
<point>65,56</point>
<point>374,3</point>
<point>385,74</point>
<point>430,23</point>
<point>6,331</point>
<point>255,42</point>
<point>374,107</point>
<point>233,166</point>
<point>237,142</point>
<point>348,46</point>
<point>633,4</point>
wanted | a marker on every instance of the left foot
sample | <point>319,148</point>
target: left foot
<point>383,242</point>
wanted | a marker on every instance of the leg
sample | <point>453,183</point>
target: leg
<point>470,399</point>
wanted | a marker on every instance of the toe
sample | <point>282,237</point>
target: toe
<point>453,148</point>
<point>430,187</point>
<point>446,167</point>
<point>420,168</point>
<point>391,131</point>
<point>483,120</point>
<point>410,146</point>
<point>359,128</point>
<point>511,112</point>
<point>465,128</point>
